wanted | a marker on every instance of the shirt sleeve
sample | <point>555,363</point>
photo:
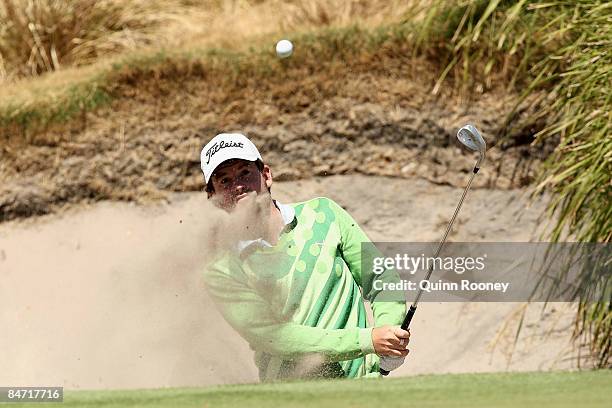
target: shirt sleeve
<point>352,236</point>
<point>250,315</point>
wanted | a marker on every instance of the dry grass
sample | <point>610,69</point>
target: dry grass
<point>29,107</point>
<point>45,35</point>
<point>39,36</point>
<point>562,50</point>
<point>317,13</point>
<point>151,32</point>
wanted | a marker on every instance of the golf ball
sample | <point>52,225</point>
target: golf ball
<point>284,48</point>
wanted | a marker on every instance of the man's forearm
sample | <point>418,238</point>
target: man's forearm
<point>387,312</point>
<point>293,340</point>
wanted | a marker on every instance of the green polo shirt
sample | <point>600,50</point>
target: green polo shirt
<point>299,303</point>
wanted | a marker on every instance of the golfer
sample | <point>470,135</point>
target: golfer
<point>294,289</point>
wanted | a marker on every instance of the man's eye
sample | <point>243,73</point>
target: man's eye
<point>224,180</point>
<point>245,173</point>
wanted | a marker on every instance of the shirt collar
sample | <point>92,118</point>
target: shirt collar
<point>287,212</point>
<point>288,215</point>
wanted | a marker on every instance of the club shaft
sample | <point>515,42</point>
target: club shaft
<point>412,310</point>
<point>448,229</point>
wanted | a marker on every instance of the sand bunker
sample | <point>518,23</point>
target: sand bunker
<point>111,296</point>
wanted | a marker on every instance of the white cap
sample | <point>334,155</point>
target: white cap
<point>226,146</point>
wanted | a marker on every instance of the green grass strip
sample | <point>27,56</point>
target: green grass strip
<point>556,389</point>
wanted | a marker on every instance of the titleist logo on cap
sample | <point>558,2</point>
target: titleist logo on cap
<point>218,146</point>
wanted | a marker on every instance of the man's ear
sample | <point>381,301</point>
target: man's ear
<point>267,175</point>
<point>210,190</point>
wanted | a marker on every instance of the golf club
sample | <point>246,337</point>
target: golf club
<point>471,138</point>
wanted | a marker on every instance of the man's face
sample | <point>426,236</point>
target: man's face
<point>234,180</point>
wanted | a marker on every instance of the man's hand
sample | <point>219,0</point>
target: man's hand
<point>390,341</point>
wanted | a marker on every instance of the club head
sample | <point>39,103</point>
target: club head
<point>470,137</point>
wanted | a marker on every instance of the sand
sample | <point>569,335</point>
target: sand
<point>110,295</point>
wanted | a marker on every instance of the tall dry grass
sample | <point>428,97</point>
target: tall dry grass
<point>562,51</point>
<point>38,36</point>
<point>296,15</point>
<point>43,35</point>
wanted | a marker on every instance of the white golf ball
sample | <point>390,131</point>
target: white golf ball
<point>284,48</point>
